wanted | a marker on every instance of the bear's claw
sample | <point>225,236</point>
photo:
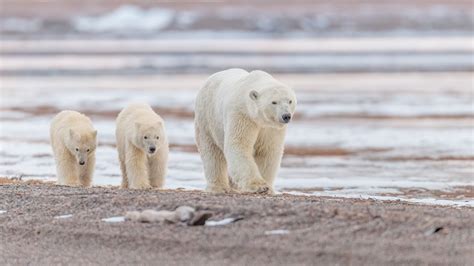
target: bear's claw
<point>263,190</point>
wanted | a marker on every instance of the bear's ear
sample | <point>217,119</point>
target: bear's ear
<point>94,133</point>
<point>253,95</point>
<point>137,125</point>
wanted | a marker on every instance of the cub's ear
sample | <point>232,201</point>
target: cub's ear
<point>253,95</point>
<point>137,125</point>
<point>94,133</point>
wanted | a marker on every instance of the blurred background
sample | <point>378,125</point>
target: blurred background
<point>385,88</point>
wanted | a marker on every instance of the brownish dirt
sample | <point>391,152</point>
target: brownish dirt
<point>322,231</point>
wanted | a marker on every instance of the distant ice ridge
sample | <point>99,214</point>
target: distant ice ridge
<point>126,18</point>
<point>20,25</point>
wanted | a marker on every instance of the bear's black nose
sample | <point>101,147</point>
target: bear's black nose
<point>286,118</point>
<point>152,149</point>
<point>82,162</point>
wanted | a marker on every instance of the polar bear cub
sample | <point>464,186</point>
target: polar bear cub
<point>142,147</point>
<point>74,140</point>
<point>240,126</point>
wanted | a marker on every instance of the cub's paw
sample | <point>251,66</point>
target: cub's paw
<point>140,186</point>
<point>73,184</point>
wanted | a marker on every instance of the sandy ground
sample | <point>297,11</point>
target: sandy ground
<point>321,231</point>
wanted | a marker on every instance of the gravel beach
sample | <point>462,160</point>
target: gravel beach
<point>275,230</point>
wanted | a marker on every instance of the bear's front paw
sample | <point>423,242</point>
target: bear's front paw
<point>140,185</point>
<point>219,189</point>
<point>73,184</point>
<point>258,186</point>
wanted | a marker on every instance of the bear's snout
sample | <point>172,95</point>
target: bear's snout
<point>152,149</point>
<point>285,118</point>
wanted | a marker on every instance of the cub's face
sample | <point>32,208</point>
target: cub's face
<point>82,145</point>
<point>149,138</point>
<point>276,106</point>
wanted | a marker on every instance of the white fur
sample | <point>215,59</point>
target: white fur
<point>141,169</point>
<point>239,132</point>
<point>74,140</point>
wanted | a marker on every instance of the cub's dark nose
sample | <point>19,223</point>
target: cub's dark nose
<point>152,149</point>
<point>286,118</point>
<point>82,162</point>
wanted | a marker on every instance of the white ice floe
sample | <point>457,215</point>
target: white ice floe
<point>126,18</point>
<point>282,63</point>
<point>423,201</point>
<point>277,232</point>
<point>65,216</point>
<point>372,44</point>
<point>221,222</point>
<point>115,219</point>
<point>2,211</point>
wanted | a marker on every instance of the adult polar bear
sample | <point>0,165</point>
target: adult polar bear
<point>240,126</point>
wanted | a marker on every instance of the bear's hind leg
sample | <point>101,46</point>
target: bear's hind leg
<point>215,166</point>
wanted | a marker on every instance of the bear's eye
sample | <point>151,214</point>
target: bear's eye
<point>274,102</point>
<point>77,149</point>
<point>291,101</point>
<point>88,150</point>
<point>145,137</point>
<point>157,137</point>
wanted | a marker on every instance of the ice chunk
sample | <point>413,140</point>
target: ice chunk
<point>125,19</point>
<point>115,219</point>
<point>277,232</point>
<point>64,216</point>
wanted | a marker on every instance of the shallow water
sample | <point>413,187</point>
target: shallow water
<point>388,135</point>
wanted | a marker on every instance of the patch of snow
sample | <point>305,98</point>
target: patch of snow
<point>284,63</point>
<point>277,232</point>
<point>221,222</point>
<point>372,44</point>
<point>20,25</point>
<point>2,211</point>
<point>65,216</point>
<point>126,18</point>
<point>423,201</point>
<point>186,18</point>
<point>115,219</point>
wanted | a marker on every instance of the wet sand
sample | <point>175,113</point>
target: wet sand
<point>320,231</point>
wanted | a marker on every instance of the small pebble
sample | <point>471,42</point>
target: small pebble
<point>133,216</point>
<point>200,218</point>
